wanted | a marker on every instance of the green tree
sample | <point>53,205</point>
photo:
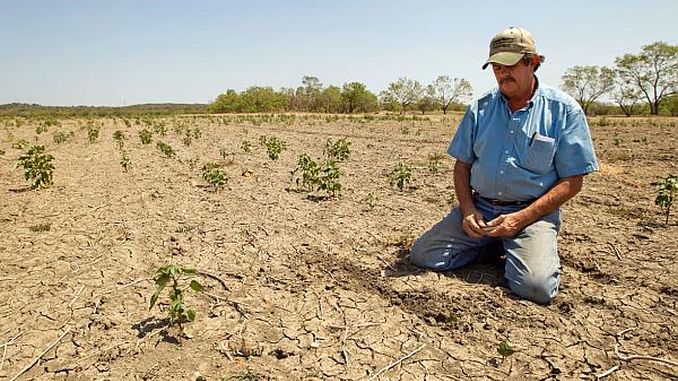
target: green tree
<point>626,97</point>
<point>262,99</point>
<point>588,83</point>
<point>330,100</point>
<point>447,91</point>
<point>654,72</point>
<point>228,102</point>
<point>405,91</point>
<point>426,101</point>
<point>356,97</point>
<point>311,93</point>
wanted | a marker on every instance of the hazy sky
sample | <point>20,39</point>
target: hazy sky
<point>92,52</point>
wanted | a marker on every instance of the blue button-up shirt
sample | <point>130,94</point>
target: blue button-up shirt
<point>518,156</point>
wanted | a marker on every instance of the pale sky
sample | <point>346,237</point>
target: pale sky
<point>103,52</point>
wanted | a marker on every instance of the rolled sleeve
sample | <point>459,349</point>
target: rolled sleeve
<point>461,147</point>
<point>575,154</point>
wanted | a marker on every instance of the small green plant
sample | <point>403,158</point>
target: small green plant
<point>246,146</point>
<point>178,312</point>
<point>188,138</point>
<point>324,177</point>
<point>274,147</point>
<point>667,189</point>
<point>40,129</point>
<point>337,150</point>
<point>37,167</point>
<point>119,138</point>
<point>39,228</point>
<point>145,136</point>
<point>505,349</point>
<point>59,137</point>
<point>400,176</point>
<point>435,162</point>
<point>616,140</point>
<point>20,144</point>
<point>370,200</point>
<point>166,149</point>
<point>212,173</point>
<point>92,132</point>
<point>159,128</point>
<point>125,161</point>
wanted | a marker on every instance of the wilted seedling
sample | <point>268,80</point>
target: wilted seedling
<point>39,228</point>
<point>400,176</point>
<point>20,144</point>
<point>246,146</point>
<point>434,162</point>
<point>370,200</point>
<point>146,136</point>
<point>212,173</point>
<point>37,167</point>
<point>119,138</point>
<point>59,137</point>
<point>337,150</point>
<point>125,162</point>
<point>165,149</point>
<point>178,312</point>
<point>666,190</point>
<point>92,132</point>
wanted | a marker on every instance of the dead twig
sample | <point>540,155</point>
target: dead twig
<point>76,296</point>
<point>607,372</point>
<point>38,357</point>
<point>615,251</point>
<point>214,277</point>
<point>386,263</point>
<point>641,357</point>
<point>395,363</point>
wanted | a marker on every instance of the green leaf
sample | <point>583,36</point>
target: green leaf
<point>154,299</point>
<point>196,286</point>
<point>190,314</point>
<point>189,271</point>
<point>505,349</point>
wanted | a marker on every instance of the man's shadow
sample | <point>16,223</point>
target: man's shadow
<point>489,270</point>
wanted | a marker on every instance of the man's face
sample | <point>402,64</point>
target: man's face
<point>514,81</point>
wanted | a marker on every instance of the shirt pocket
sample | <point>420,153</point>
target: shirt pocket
<point>540,153</point>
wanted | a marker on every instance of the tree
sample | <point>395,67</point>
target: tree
<point>447,91</point>
<point>356,97</point>
<point>330,99</point>
<point>427,100</point>
<point>654,72</point>
<point>626,97</point>
<point>227,102</point>
<point>588,83</point>
<point>405,91</point>
<point>262,99</point>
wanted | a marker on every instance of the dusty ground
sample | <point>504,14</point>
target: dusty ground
<point>320,289</point>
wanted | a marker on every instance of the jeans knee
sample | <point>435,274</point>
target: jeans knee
<point>538,289</point>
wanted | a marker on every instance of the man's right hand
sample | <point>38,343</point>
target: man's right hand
<point>473,224</point>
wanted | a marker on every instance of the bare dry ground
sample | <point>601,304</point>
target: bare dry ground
<point>319,289</point>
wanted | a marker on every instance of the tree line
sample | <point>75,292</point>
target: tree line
<point>650,77</point>
<point>404,94</point>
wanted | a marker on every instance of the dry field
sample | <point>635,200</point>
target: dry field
<point>315,289</point>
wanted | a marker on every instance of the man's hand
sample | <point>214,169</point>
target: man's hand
<point>473,224</point>
<point>505,225</point>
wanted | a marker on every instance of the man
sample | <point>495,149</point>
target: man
<point>521,151</point>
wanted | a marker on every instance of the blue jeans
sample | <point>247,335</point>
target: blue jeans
<point>532,264</point>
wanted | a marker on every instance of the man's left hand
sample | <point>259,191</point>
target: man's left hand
<point>505,225</point>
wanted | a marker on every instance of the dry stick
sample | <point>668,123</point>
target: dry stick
<point>223,283</point>
<point>607,372</point>
<point>387,264</point>
<point>4,352</point>
<point>616,251</point>
<point>37,358</point>
<point>395,363</point>
<point>76,296</point>
<point>639,357</point>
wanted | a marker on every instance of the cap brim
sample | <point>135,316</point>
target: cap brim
<point>504,58</point>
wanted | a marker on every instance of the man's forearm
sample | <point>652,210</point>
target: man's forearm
<point>564,190</point>
<point>462,186</point>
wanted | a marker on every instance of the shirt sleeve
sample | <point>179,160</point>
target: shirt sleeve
<point>461,147</point>
<point>574,153</point>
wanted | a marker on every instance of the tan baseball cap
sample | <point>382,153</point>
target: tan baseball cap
<point>509,46</point>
